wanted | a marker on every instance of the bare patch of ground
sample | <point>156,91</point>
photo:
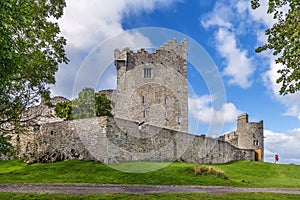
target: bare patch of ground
<point>83,188</point>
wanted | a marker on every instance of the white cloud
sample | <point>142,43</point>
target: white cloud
<point>239,66</point>
<point>242,6</point>
<point>260,14</point>
<point>229,20</point>
<point>218,17</point>
<point>87,23</point>
<point>290,101</point>
<point>201,108</point>
<point>285,144</point>
<point>216,21</point>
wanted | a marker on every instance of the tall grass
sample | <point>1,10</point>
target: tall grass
<point>205,170</point>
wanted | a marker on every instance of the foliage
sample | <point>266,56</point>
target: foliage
<point>30,52</point>
<point>284,41</point>
<point>5,145</point>
<point>84,105</point>
<point>64,110</point>
<point>87,104</point>
<point>103,105</point>
<point>257,174</point>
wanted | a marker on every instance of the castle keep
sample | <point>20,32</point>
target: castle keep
<point>152,87</point>
<point>150,123</point>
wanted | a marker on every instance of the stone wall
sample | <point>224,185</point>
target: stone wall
<point>112,140</point>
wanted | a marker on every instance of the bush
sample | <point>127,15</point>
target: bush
<point>205,170</point>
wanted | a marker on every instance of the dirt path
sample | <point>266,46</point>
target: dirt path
<point>83,188</point>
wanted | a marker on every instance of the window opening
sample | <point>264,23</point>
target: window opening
<point>143,99</point>
<point>178,120</point>
<point>166,100</point>
<point>144,114</point>
<point>147,73</point>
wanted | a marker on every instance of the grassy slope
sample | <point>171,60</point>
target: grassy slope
<point>241,174</point>
<point>261,174</point>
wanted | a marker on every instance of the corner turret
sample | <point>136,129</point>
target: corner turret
<point>249,135</point>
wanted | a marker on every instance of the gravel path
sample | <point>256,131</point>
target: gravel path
<point>83,188</point>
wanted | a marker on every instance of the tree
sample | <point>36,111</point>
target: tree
<point>284,41</point>
<point>84,105</point>
<point>30,52</point>
<point>103,105</point>
<point>64,110</point>
<point>87,104</point>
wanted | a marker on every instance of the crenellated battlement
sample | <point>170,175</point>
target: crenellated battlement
<point>170,54</point>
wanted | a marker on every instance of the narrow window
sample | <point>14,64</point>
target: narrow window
<point>144,114</point>
<point>178,120</point>
<point>143,99</point>
<point>178,89</point>
<point>147,73</point>
<point>166,100</point>
<point>166,115</point>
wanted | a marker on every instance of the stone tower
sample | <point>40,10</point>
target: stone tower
<point>152,87</point>
<point>249,135</point>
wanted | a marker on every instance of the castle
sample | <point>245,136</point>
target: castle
<point>150,120</point>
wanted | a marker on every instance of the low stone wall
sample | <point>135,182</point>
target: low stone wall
<point>112,140</point>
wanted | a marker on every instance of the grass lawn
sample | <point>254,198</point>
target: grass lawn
<point>240,196</point>
<point>240,173</point>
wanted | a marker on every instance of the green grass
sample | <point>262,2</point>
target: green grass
<point>259,174</point>
<point>240,174</point>
<point>240,196</point>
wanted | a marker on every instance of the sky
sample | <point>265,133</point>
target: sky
<point>222,37</point>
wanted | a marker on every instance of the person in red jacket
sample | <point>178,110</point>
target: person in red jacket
<point>276,158</point>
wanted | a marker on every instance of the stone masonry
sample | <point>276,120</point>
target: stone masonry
<point>152,87</point>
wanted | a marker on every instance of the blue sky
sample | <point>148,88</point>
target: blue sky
<point>229,31</point>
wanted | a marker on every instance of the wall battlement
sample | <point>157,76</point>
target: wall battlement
<point>170,54</point>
